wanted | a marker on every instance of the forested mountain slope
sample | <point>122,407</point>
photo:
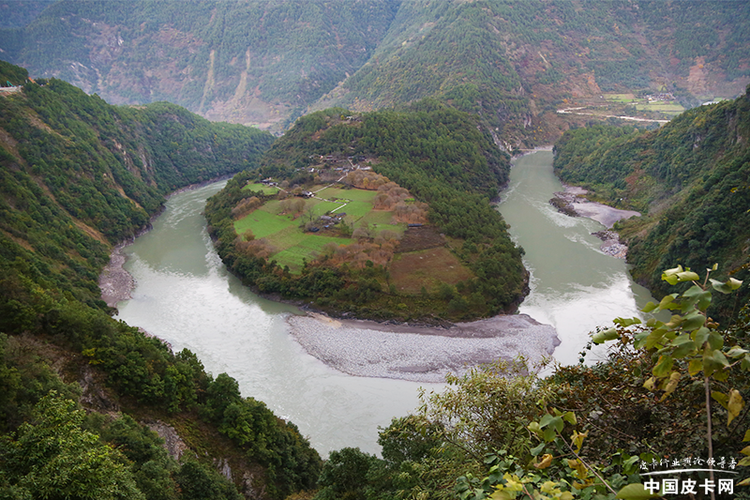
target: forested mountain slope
<point>689,178</point>
<point>78,175</point>
<point>266,62</point>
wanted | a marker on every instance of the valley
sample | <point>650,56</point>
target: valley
<point>376,194</point>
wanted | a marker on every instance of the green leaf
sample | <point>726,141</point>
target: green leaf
<point>693,321</point>
<point>694,367</point>
<point>649,307</point>
<point>700,336</point>
<point>601,337</point>
<point>713,361</point>
<point>666,302</point>
<point>684,349</point>
<point>670,275</point>
<point>721,375</point>
<point>695,295</point>
<point>570,417</point>
<point>722,398</point>
<point>727,287</point>
<point>549,434</point>
<point>687,276</point>
<point>537,449</point>
<point>747,436</point>
<point>635,491</point>
<point>558,423</point>
<point>626,322</point>
<point>715,340</point>
<point>664,366</point>
<point>736,352</point>
<point>545,420</point>
<point>655,337</point>
<point>534,427</point>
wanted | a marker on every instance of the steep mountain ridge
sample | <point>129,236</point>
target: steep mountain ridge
<point>246,62</point>
<point>266,63</point>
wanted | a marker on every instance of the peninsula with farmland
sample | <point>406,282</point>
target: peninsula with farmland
<point>384,215</point>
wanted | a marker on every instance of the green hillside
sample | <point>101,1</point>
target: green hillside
<point>432,151</point>
<point>77,176</point>
<point>516,62</point>
<point>689,179</point>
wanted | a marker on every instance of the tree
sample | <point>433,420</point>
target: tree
<point>343,475</point>
<point>54,458</point>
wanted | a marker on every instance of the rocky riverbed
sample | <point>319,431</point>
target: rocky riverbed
<point>572,202</point>
<point>115,282</point>
<point>421,354</point>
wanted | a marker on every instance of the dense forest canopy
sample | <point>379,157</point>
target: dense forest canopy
<point>77,176</point>
<point>267,62</point>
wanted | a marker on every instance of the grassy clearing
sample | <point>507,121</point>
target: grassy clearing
<point>348,194</point>
<point>619,97</point>
<point>427,268</point>
<point>307,246</point>
<point>356,210</point>
<point>322,207</point>
<point>262,223</point>
<point>663,107</point>
<point>262,188</point>
<point>379,217</point>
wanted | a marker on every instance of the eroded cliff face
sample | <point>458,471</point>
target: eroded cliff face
<point>264,63</point>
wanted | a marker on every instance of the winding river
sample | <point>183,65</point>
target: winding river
<point>185,296</point>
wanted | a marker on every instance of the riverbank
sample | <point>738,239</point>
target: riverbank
<point>115,282</point>
<point>572,202</point>
<point>421,354</point>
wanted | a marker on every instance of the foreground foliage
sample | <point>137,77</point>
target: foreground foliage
<point>583,432</point>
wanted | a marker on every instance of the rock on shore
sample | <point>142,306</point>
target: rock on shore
<point>421,354</point>
<point>572,202</point>
<point>115,282</point>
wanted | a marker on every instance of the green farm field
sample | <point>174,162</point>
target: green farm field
<point>619,97</point>
<point>293,244</point>
<point>262,188</point>
<point>660,106</point>
<point>347,194</point>
<point>306,247</point>
<point>263,224</point>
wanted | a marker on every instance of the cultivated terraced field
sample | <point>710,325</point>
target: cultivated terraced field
<point>421,260</point>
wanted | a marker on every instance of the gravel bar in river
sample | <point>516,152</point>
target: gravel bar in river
<point>421,354</point>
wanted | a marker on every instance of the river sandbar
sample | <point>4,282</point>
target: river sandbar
<point>421,354</point>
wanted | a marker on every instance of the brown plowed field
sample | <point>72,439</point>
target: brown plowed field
<point>420,238</point>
